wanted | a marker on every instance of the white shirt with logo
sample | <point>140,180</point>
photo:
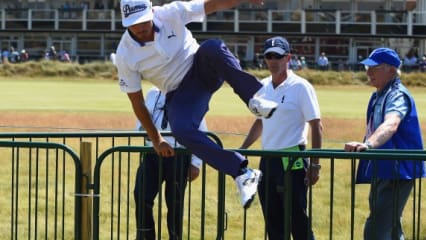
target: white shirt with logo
<point>167,59</point>
<point>297,104</point>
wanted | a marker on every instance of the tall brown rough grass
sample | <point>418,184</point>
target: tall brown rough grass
<point>417,79</point>
<point>44,68</point>
<point>106,70</point>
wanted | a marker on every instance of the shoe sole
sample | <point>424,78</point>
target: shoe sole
<point>248,203</point>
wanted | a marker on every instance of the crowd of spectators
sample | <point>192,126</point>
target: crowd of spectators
<point>12,55</point>
<point>52,55</point>
<point>412,62</point>
<point>409,63</point>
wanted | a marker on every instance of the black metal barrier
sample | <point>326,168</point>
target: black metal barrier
<point>39,211</point>
<point>102,142</point>
<point>355,232</point>
<point>336,205</point>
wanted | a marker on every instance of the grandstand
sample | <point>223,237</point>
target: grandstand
<point>344,29</point>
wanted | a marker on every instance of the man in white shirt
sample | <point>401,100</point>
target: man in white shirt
<point>174,172</point>
<point>323,62</point>
<point>112,58</point>
<point>158,46</point>
<point>287,130</point>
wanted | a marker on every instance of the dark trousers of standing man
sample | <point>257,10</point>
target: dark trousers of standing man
<point>149,178</point>
<point>272,199</point>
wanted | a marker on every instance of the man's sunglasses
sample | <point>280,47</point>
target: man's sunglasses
<point>270,56</point>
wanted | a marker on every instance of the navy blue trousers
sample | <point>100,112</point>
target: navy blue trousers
<point>187,105</point>
<point>272,200</point>
<point>152,172</point>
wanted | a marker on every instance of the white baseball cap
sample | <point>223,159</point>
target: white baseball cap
<point>135,11</point>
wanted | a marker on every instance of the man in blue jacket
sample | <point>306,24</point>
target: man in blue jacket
<point>392,123</point>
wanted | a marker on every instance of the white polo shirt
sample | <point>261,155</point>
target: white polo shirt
<point>155,102</point>
<point>298,104</point>
<point>167,59</point>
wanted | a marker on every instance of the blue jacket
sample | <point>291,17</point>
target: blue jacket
<point>408,136</point>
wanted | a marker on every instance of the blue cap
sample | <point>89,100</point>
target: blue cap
<point>382,55</point>
<point>277,45</point>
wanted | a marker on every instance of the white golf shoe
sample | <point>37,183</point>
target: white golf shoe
<point>247,186</point>
<point>262,107</point>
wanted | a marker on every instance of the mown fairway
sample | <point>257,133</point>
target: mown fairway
<point>77,104</point>
<point>91,103</point>
<point>95,96</point>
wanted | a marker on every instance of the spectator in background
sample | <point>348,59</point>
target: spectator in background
<point>64,56</point>
<point>65,8</point>
<point>360,66</point>
<point>175,172</point>
<point>84,5</point>
<point>392,123</point>
<point>24,55</point>
<point>5,55</point>
<point>258,61</point>
<point>295,63</point>
<point>14,56</point>
<point>322,62</point>
<point>112,58</point>
<point>47,55</point>
<point>422,64</point>
<point>303,63</point>
<point>410,61</point>
<point>51,54</point>
<point>341,65</point>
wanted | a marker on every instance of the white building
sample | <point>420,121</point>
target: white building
<point>343,29</point>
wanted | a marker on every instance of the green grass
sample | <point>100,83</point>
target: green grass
<point>350,102</point>
<point>105,96</point>
<point>89,95</point>
<point>58,95</point>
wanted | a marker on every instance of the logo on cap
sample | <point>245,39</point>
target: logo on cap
<point>273,43</point>
<point>276,44</point>
<point>129,10</point>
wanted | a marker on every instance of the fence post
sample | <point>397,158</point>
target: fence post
<point>86,200</point>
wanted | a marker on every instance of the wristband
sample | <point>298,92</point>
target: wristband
<point>315,166</point>
<point>368,144</point>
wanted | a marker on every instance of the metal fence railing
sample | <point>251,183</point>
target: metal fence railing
<point>42,175</point>
<point>118,179</point>
<point>118,198</point>
<point>337,196</point>
<point>39,196</point>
